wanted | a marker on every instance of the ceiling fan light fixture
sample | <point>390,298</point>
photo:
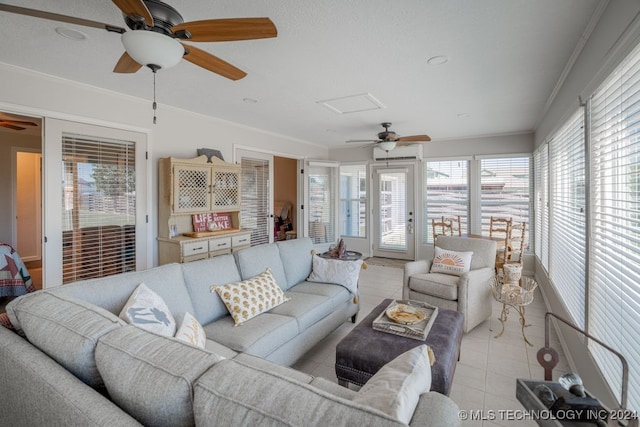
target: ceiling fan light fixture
<point>151,48</point>
<point>387,145</point>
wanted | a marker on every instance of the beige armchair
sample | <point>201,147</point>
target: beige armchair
<point>470,293</point>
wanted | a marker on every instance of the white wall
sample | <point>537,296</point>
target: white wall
<point>177,133</point>
<point>614,36</point>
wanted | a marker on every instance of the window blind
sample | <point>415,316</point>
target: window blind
<point>505,186</point>
<point>446,193</point>
<point>255,199</point>
<point>98,207</point>
<point>353,200</point>
<point>393,209</point>
<point>567,216</point>
<point>614,270</point>
<point>322,211</point>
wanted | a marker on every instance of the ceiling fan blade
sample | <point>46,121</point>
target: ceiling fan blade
<point>60,18</point>
<point>414,138</point>
<point>212,63</point>
<point>224,30</point>
<point>361,140</point>
<point>126,64</point>
<point>19,122</point>
<point>10,126</point>
<point>133,8</point>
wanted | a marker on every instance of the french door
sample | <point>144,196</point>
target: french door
<point>257,195</point>
<point>393,212</point>
<point>95,200</point>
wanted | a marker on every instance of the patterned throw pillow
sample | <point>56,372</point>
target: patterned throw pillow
<point>147,310</point>
<point>253,296</point>
<point>191,331</point>
<point>451,262</point>
<point>336,271</point>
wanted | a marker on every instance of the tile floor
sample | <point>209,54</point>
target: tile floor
<point>485,378</point>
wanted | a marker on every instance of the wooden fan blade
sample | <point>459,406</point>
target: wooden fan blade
<point>10,126</point>
<point>126,64</point>
<point>224,30</point>
<point>414,138</point>
<point>60,18</point>
<point>19,122</point>
<point>361,140</point>
<point>212,63</point>
<point>133,8</point>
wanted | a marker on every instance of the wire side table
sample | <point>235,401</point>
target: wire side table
<point>516,296</point>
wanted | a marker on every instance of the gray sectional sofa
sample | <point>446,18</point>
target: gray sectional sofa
<point>74,362</point>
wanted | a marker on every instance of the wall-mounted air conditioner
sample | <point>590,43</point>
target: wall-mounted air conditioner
<point>409,152</point>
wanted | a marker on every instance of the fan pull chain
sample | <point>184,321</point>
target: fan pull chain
<point>154,96</point>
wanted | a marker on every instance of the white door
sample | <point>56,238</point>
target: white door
<point>95,199</point>
<point>393,212</point>
<point>257,195</point>
<point>28,204</point>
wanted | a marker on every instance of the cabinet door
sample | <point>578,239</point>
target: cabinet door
<point>226,189</point>
<point>191,188</point>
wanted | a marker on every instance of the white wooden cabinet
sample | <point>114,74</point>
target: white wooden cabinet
<point>186,249</point>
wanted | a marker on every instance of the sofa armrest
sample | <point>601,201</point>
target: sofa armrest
<point>411,268</point>
<point>474,296</point>
<point>434,410</point>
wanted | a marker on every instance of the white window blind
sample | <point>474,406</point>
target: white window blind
<point>446,193</point>
<point>393,209</point>
<point>353,200</point>
<point>541,160</point>
<point>614,267</point>
<point>322,211</point>
<point>255,199</point>
<point>98,207</point>
<point>505,190</point>
<point>567,216</point>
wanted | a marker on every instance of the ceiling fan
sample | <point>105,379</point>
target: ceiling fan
<point>388,139</point>
<point>157,33</point>
<point>15,124</point>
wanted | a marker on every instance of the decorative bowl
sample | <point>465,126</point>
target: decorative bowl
<point>405,314</point>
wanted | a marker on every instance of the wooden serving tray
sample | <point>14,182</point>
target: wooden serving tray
<point>211,233</point>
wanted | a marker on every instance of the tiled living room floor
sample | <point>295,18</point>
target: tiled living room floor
<point>485,377</point>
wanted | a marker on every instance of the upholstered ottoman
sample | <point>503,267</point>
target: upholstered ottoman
<point>364,350</point>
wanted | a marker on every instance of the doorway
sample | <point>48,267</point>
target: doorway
<point>27,220</point>
<point>393,201</point>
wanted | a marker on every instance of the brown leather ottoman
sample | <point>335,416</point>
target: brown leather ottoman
<point>364,350</point>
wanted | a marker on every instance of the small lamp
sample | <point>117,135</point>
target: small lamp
<point>387,145</point>
<point>152,49</point>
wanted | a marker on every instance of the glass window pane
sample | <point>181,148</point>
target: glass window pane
<point>353,200</point>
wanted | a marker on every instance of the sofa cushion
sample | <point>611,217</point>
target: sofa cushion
<point>191,331</point>
<point>451,262</point>
<point>146,310</point>
<point>234,393</point>
<point>307,309</point>
<point>256,259</point>
<point>396,388</point>
<point>251,297</point>
<point>266,365</point>
<point>296,259</point>
<point>112,292</point>
<point>336,293</point>
<point>439,285</point>
<point>200,275</point>
<point>258,336</point>
<point>150,376</point>
<point>67,329</point>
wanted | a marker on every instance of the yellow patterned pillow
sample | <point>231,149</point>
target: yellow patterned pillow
<point>253,296</point>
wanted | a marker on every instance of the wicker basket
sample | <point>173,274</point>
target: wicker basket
<point>513,294</point>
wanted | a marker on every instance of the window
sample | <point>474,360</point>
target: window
<point>614,250</point>
<point>567,228</point>
<point>446,193</point>
<point>505,189</point>
<point>353,200</point>
<point>98,207</point>
<point>322,211</point>
<point>255,199</point>
<point>541,164</point>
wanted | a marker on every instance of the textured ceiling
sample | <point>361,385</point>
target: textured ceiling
<point>504,59</point>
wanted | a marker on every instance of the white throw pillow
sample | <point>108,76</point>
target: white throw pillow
<point>451,262</point>
<point>147,310</point>
<point>339,272</point>
<point>396,388</point>
<point>191,331</point>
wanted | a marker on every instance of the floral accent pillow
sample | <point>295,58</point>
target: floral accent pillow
<point>253,296</point>
<point>191,331</point>
<point>451,262</point>
<point>147,310</point>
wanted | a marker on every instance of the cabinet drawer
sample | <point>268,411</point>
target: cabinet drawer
<point>194,248</point>
<point>219,243</point>
<point>242,240</point>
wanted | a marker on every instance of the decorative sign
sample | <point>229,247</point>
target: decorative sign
<point>211,221</point>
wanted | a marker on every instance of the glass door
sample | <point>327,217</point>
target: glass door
<point>394,219</point>
<point>257,195</point>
